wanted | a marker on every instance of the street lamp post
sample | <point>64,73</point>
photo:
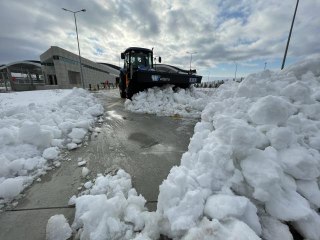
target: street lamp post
<point>75,22</point>
<point>285,53</point>
<point>235,72</point>
<point>191,53</point>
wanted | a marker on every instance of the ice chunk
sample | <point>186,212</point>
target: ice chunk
<point>58,228</point>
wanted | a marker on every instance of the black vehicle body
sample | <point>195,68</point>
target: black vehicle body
<point>139,73</point>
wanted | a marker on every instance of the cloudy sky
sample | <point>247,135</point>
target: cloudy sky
<point>223,33</point>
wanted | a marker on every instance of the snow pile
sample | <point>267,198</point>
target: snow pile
<point>58,228</point>
<point>112,209</point>
<point>33,127</point>
<point>164,101</point>
<point>253,162</point>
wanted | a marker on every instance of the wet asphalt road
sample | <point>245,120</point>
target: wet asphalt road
<point>145,146</point>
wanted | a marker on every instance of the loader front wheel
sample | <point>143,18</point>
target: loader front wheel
<point>122,93</point>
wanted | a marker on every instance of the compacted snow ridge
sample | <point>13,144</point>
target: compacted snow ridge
<point>34,127</point>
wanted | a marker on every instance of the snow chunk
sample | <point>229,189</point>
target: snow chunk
<point>309,226</point>
<point>112,211</point>
<point>58,228</point>
<point>72,146</point>
<point>288,205</point>
<point>85,171</point>
<point>263,173</point>
<point>30,132</point>
<point>297,92</point>
<point>222,207</point>
<point>310,190</point>
<point>229,229</point>
<point>270,110</point>
<point>77,134</point>
<point>11,187</point>
<point>281,137</point>
<point>299,163</point>
<point>274,229</point>
<point>51,153</point>
<point>82,163</point>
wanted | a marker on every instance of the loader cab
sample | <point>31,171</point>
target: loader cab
<point>137,58</point>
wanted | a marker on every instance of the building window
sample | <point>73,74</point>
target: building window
<point>74,77</point>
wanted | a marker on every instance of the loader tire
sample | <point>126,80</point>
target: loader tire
<point>122,93</point>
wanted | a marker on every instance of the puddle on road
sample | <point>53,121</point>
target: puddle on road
<point>114,115</point>
<point>143,139</point>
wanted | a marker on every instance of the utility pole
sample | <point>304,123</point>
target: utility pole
<point>75,22</point>
<point>285,53</point>
<point>235,73</point>
<point>191,53</point>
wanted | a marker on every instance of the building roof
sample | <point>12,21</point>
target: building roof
<point>33,66</point>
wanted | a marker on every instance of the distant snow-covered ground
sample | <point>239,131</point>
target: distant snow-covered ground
<point>34,126</point>
<point>252,165</point>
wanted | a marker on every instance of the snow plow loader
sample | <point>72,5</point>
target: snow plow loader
<point>139,73</point>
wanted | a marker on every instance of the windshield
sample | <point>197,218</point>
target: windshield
<point>141,60</point>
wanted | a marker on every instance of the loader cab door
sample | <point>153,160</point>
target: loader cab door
<point>126,61</point>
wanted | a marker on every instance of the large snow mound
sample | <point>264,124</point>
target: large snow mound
<point>253,161</point>
<point>33,127</point>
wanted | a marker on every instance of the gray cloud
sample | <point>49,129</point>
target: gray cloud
<point>220,31</point>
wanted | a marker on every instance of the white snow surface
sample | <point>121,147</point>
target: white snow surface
<point>253,161</point>
<point>34,126</point>
<point>252,165</point>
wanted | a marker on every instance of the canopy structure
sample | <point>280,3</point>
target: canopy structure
<point>21,75</point>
